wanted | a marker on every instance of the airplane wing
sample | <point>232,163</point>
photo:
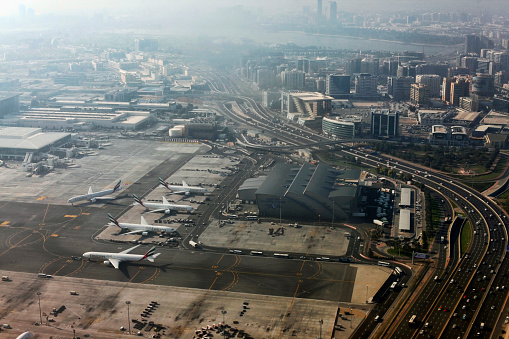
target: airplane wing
<point>133,232</point>
<point>143,221</point>
<point>90,190</point>
<point>128,250</point>
<point>104,198</point>
<point>158,210</point>
<point>114,262</point>
<point>184,184</point>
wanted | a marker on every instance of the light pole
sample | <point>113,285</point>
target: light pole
<point>279,212</point>
<point>367,289</point>
<point>321,323</point>
<point>223,312</point>
<point>128,316</point>
<point>40,312</point>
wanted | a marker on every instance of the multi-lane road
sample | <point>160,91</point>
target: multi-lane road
<point>472,286</point>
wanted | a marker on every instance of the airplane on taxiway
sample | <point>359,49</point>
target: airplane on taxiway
<point>94,196</point>
<point>116,258</point>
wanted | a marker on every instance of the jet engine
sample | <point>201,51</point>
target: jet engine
<point>107,263</point>
<point>144,234</point>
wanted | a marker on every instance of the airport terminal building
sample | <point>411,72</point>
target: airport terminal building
<point>16,142</point>
<point>311,192</point>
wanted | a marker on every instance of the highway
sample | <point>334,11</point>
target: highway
<point>473,286</point>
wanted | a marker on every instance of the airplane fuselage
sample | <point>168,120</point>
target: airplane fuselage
<point>171,207</point>
<point>146,228</point>
<point>190,189</point>
<point>108,255</point>
<point>90,196</point>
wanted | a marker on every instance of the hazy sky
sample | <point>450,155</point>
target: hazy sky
<point>129,6</point>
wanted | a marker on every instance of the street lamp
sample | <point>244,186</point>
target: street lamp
<point>279,212</point>
<point>40,312</point>
<point>321,323</point>
<point>223,312</point>
<point>128,315</point>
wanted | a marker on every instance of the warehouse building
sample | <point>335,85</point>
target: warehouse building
<point>16,142</point>
<point>316,192</point>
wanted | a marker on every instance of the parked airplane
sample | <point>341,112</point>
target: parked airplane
<point>142,228</point>
<point>116,258</point>
<point>184,189</point>
<point>165,206</point>
<point>25,335</point>
<point>93,197</point>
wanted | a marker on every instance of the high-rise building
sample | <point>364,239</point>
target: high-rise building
<point>384,123</point>
<point>419,94</point>
<point>366,86</point>
<point>472,44</point>
<point>432,81</point>
<point>399,87</point>
<point>483,85</point>
<point>459,88</point>
<point>440,69</point>
<point>354,66</point>
<point>370,66</point>
<point>146,45</point>
<point>338,86</point>
<point>319,8</point>
<point>501,78</point>
<point>293,79</point>
<point>333,11</point>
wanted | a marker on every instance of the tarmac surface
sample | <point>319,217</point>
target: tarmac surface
<point>43,235</point>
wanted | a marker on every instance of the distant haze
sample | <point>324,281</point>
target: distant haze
<point>157,7</point>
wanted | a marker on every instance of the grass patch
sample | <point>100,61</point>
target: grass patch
<point>466,237</point>
<point>399,253</point>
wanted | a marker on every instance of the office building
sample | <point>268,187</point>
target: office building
<point>344,128</point>
<point>483,85</point>
<point>293,80</point>
<point>146,45</point>
<point>366,86</point>
<point>399,87</point>
<point>305,104</point>
<point>438,69</point>
<point>454,88</point>
<point>432,81</point>
<point>319,9</point>
<point>354,66</point>
<point>419,94</point>
<point>338,86</point>
<point>448,136</point>
<point>384,123</point>
<point>333,11</point>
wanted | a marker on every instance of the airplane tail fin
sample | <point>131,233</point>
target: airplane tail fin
<point>137,200</point>
<point>117,186</point>
<point>150,254</point>
<point>152,257</point>
<point>113,220</point>
<point>163,183</point>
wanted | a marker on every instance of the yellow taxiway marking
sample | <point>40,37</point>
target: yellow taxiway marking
<point>70,216</point>
<point>42,198</point>
<point>5,223</point>
<point>54,235</point>
<point>85,213</point>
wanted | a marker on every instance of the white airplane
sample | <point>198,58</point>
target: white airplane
<point>116,258</point>
<point>165,206</point>
<point>142,228</point>
<point>93,197</point>
<point>184,189</point>
<point>25,335</point>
